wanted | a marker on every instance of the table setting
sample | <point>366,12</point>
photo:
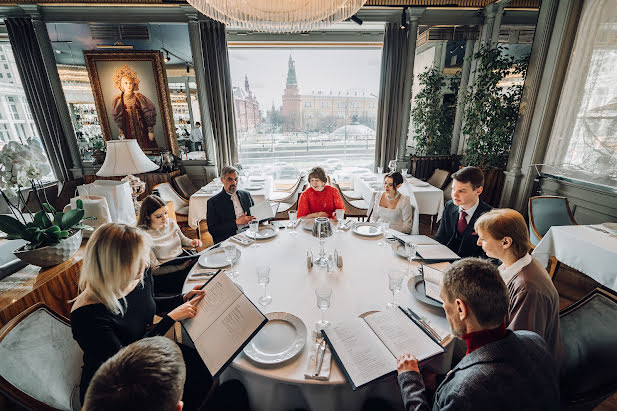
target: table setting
<point>286,359</point>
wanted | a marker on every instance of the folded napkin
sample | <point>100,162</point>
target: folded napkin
<point>346,225</point>
<point>242,239</point>
<point>294,224</point>
<point>324,373</point>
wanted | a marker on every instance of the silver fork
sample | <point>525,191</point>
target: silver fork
<point>317,345</point>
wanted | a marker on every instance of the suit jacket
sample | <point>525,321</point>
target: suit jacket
<point>447,229</point>
<point>221,217</point>
<point>514,373</point>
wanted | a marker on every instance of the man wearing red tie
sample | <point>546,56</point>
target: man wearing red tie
<point>456,227</point>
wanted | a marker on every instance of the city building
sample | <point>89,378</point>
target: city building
<point>248,116</point>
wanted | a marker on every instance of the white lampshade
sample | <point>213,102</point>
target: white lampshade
<point>125,157</point>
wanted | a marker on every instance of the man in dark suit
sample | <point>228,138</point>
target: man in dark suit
<point>229,210</point>
<point>456,227</point>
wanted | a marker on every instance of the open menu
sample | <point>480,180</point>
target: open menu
<point>436,252</point>
<point>415,239</point>
<point>432,281</point>
<point>226,321</point>
<point>367,348</point>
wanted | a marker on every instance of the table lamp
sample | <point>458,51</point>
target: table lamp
<point>125,158</point>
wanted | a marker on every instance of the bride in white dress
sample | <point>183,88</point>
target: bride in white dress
<point>392,206</point>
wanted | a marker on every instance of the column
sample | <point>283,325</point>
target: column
<point>200,79</point>
<point>457,144</point>
<point>187,87</point>
<point>412,21</point>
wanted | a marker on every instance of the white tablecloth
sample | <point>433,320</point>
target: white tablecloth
<point>199,201</point>
<point>583,248</point>
<point>361,285</point>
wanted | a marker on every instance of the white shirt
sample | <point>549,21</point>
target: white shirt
<point>508,273</point>
<point>196,135</point>
<point>469,211</point>
<point>237,206</point>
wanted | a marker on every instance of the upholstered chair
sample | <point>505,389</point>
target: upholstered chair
<point>439,178</point>
<point>181,205</point>
<point>545,212</point>
<point>185,186</point>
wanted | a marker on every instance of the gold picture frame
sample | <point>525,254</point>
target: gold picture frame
<point>132,97</point>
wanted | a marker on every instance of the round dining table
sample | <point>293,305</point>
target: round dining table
<point>359,286</point>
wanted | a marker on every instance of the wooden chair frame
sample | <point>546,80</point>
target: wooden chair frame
<point>531,220</point>
<point>351,210</point>
<point>176,192</point>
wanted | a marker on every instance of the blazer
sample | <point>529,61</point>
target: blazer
<point>514,373</point>
<point>447,229</point>
<point>221,217</point>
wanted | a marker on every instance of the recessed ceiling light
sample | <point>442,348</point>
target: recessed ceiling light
<point>57,51</point>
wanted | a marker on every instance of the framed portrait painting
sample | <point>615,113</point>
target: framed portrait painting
<point>132,97</point>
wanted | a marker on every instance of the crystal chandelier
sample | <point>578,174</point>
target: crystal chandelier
<point>278,16</point>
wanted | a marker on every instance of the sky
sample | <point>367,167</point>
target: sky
<point>316,69</point>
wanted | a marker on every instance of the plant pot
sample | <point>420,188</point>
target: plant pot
<point>53,254</point>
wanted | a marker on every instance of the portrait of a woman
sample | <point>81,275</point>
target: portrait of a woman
<point>133,113</point>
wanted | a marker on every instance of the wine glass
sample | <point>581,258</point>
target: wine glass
<point>392,165</point>
<point>379,170</point>
<point>230,253</point>
<point>263,278</point>
<point>340,215</point>
<point>293,217</point>
<point>404,172</point>
<point>395,280</point>
<point>410,252</point>
<point>254,229</point>
<point>323,295</point>
<point>383,226</point>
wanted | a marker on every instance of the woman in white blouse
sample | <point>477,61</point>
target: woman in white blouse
<point>167,243</point>
<point>391,206</point>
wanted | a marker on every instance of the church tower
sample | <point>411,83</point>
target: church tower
<point>291,100</point>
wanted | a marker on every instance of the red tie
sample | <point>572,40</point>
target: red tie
<point>462,222</point>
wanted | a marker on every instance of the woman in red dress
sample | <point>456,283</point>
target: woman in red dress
<point>319,200</point>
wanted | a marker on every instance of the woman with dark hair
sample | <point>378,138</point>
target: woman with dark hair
<point>167,242</point>
<point>391,206</point>
<point>319,200</point>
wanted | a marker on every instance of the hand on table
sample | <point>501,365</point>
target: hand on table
<point>407,362</point>
<point>244,219</point>
<point>186,310</point>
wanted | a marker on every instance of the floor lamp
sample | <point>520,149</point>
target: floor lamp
<point>125,158</point>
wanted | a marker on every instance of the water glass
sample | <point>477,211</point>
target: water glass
<point>340,216</point>
<point>383,226</point>
<point>254,229</point>
<point>410,252</point>
<point>395,279</point>
<point>379,170</point>
<point>263,278</point>
<point>404,172</point>
<point>323,295</point>
<point>293,217</point>
<point>230,253</point>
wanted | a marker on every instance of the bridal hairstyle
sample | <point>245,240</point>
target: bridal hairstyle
<point>397,178</point>
<point>115,255</point>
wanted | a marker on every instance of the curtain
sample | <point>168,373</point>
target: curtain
<point>39,94</point>
<point>219,91</point>
<point>391,101</point>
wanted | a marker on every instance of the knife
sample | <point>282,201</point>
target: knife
<point>320,355</point>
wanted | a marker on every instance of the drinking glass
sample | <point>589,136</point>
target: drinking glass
<point>383,226</point>
<point>340,215</point>
<point>379,170</point>
<point>323,295</point>
<point>410,252</point>
<point>293,217</point>
<point>263,278</point>
<point>254,229</point>
<point>230,253</point>
<point>395,280</point>
<point>404,172</point>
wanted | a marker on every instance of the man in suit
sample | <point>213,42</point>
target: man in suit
<point>502,369</point>
<point>229,210</point>
<point>456,228</point>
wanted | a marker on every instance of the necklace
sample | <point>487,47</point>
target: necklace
<point>392,198</point>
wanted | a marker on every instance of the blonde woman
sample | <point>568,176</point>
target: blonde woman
<point>534,300</point>
<point>116,305</point>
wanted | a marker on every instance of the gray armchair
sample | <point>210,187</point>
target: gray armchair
<point>589,336</point>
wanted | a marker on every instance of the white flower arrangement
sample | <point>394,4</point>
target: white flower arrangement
<point>21,165</point>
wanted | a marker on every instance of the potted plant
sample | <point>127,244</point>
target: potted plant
<point>491,111</point>
<point>98,151</point>
<point>52,236</point>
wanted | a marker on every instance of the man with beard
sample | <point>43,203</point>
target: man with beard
<point>229,210</point>
<point>502,369</point>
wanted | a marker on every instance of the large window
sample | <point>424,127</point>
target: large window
<point>296,107</point>
<point>16,122</point>
<point>583,141</point>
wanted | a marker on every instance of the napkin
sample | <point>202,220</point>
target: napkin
<point>242,239</point>
<point>324,373</point>
<point>347,224</point>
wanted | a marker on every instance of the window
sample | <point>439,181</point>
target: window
<point>6,66</point>
<point>5,136</point>
<point>301,96</point>
<point>14,111</point>
<point>583,142</point>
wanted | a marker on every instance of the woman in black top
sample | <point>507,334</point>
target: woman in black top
<point>117,305</point>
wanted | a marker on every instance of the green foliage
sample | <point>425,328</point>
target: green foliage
<point>42,232</point>
<point>491,110</point>
<point>432,120</point>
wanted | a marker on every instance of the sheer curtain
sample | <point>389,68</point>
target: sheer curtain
<point>583,141</point>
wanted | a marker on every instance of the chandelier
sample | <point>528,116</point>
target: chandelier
<point>278,16</point>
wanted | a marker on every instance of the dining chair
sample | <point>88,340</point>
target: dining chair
<point>354,208</point>
<point>447,192</point>
<point>181,205</point>
<point>545,212</point>
<point>288,204</point>
<point>286,196</point>
<point>40,362</point>
<point>185,186</point>
<point>439,178</point>
<point>589,364</point>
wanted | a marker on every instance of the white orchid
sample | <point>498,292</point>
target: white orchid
<point>22,163</point>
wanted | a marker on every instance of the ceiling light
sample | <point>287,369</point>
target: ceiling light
<point>57,51</point>
<point>356,19</point>
<point>404,18</point>
<point>167,57</point>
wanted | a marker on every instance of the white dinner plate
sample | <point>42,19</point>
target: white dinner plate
<point>255,187</point>
<point>421,184</point>
<point>416,286</point>
<point>216,258</point>
<point>281,339</point>
<point>263,233</point>
<point>399,249</point>
<point>257,179</point>
<point>367,229</point>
